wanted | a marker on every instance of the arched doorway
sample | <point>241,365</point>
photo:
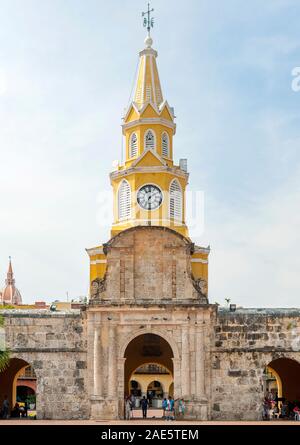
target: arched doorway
<point>135,388</point>
<point>149,360</point>
<point>18,384</point>
<point>282,379</point>
<point>155,393</point>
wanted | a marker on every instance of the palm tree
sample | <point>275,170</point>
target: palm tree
<point>4,353</point>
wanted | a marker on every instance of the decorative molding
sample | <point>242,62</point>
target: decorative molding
<point>98,262</point>
<point>146,221</point>
<point>199,249</point>
<point>163,169</point>
<point>149,121</point>
<point>95,251</point>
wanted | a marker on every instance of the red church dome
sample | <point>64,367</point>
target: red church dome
<point>10,294</point>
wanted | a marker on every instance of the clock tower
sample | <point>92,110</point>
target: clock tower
<point>148,188</point>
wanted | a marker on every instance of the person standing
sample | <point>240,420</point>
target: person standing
<point>181,408</point>
<point>164,407</point>
<point>5,408</point>
<point>296,411</point>
<point>172,408</point>
<point>144,407</point>
<point>127,408</point>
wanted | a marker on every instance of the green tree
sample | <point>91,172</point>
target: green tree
<point>4,353</point>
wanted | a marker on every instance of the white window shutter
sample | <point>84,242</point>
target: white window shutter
<point>149,140</point>
<point>124,200</point>
<point>175,201</point>
<point>165,145</point>
<point>133,145</point>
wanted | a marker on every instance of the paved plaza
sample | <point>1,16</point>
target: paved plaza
<point>149,422</point>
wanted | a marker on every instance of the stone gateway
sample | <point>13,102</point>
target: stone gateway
<point>148,328</point>
<point>217,360</point>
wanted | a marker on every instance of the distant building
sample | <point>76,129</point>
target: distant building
<point>10,294</point>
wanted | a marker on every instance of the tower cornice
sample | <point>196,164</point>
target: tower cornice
<point>174,171</point>
<point>148,52</point>
<point>149,121</point>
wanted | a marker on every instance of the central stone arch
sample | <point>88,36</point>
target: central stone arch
<point>144,346</point>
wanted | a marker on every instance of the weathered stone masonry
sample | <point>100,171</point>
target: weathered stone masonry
<point>238,346</point>
<point>245,342</point>
<point>55,345</point>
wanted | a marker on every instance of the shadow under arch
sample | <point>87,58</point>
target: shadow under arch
<point>146,348</point>
<point>155,331</point>
<point>8,379</point>
<point>287,373</point>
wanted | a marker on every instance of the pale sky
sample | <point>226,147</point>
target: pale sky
<point>66,72</point>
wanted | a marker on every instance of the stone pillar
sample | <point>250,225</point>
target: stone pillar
<point>177,377</point>
<point>185,362</point>
<point>121,370</point>
<point>97,362</point>
<point>112,364</point>
<point>200,363</point>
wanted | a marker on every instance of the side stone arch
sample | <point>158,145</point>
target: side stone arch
<point>9,377</point>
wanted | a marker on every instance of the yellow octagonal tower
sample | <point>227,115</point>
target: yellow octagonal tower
<point>148,188</point>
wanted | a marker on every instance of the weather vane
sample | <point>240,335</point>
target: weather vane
<point>148,21</point>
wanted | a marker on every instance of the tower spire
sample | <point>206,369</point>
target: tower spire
<point>148,88</point>
<point>10,275</point>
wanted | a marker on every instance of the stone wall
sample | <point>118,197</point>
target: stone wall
<point>245,342</point>
<point>55,345</point>
<point>221,355</point>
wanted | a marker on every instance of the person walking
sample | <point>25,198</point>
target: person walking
<point>144,407</point>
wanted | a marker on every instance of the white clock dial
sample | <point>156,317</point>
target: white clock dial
<point>149,197</point>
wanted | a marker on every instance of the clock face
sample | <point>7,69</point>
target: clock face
<point>149,197</point>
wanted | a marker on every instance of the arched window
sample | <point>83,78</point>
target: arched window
<point>149,140</point>
<point>165,145</point>
<point>133,145</point>
<point>175,201</point>
<point>124,200</point>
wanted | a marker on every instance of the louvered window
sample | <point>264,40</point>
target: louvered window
<point>165,145</point>
<point>148,93</point>
<point>149,140</point>
<point>175,201</point>
<point>158,95</point>
<point>124,200</point>
<point>133,145</point>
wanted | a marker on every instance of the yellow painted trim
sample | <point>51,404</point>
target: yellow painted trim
<point>278,380</point>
